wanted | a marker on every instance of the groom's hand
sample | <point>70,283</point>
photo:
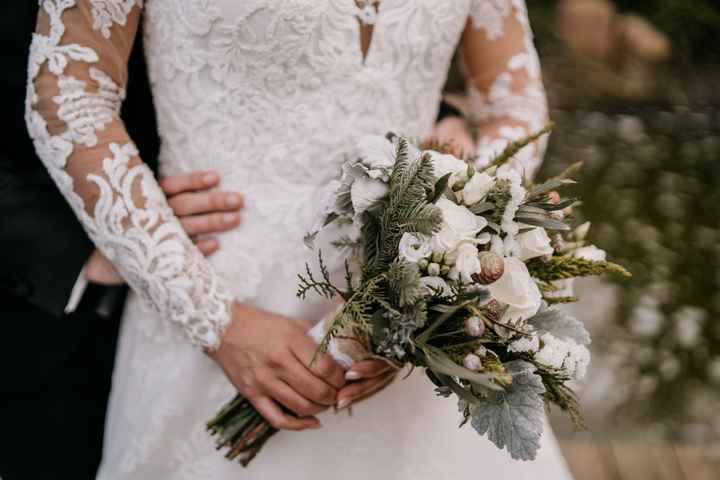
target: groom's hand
<point>201,212</point>
<point>268,359</point>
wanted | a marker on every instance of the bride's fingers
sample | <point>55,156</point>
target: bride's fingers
<point>210,223</point>
<point>368,369</point>
<point>279,419</point>
<point>323,366</point>
<point>189,182</point>
<point>284,394</point>
<point>363,389</point>
<point>193,203</point>
<point>207,246</point>
<point>304,382</point>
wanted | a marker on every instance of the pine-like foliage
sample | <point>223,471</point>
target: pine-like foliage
<point>406,209</point>
<point>562,267</point>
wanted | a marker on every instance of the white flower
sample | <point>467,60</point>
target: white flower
<point>533,243</point>
<point>477,188</point>
<point>529,344</point>
<point>564,354</point>
<point>413,248</point>
<point>444,164</point>
<point>377,155</point>
<point>365,192</point>
<point>517,290</point>
<point>459,224</point>
<point>433,284</point>
<point>591,252</point>
<point>467,263</point>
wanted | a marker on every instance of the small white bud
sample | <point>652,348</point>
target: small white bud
<point>474,326</point>
<point>433,270</point>
<point>423,263</point>
<point>472,362</point>
<point>481,351</point>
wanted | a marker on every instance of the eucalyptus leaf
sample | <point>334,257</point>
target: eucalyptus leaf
<point>513,418</point>
<point>549,186</point>
<point>481,207</point>
<point>440,363</point>
<point>542,221</point>
<point>440,187</point>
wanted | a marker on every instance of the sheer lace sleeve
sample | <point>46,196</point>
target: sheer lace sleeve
<point>77,73</point>
<point>507,98</point>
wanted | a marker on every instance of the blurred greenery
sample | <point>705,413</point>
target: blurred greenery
<point>651,186</point>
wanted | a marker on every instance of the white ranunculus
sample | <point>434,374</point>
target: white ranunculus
<point>433,284</point>
<point>590,252</point>
<point>533,243</point>
<point>459,224</point>
<point>517,290</point>
<point>377,155</point>
<point>477,188</point>
<point>444,164</point>
<point>467,263</point>
<point>413,248</point>
<point>365,192</point>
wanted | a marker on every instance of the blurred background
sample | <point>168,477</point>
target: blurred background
<point>634,88</point>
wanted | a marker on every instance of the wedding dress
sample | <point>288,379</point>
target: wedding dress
<point>270,94</point>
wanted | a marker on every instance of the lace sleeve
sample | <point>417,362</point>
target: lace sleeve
<point>77,74</point>
<point>507,98</point>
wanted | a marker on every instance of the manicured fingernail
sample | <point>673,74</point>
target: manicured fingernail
<point>233,200</point>
<point>230,218</point>
<point>352,375</point>
<point>210,178</point>
<point>344,403</point>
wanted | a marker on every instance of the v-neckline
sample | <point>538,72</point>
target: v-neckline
<point>367,18</point>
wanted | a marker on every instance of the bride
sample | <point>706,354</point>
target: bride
<point>270,94</point>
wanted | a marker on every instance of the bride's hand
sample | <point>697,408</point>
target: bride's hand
<point>267,358</point>
<point>200,211</point>
<point>454,131</point>
<point>365,380</point>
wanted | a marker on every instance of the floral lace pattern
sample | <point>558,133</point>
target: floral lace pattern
<point>116,198</point>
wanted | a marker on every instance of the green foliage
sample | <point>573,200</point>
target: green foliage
<point>562,267</point>
<point>513,148</point>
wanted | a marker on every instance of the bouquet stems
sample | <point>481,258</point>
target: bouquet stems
<point>241,429</point>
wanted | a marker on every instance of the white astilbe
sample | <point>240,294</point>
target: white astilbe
<point>565,355</point>
<point>530,344</point>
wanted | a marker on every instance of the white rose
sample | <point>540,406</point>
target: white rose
<point>377,155</point>
<point>459,224</point>
<point>467,263</point>
<point>431,285</point>
<point>413,248</point>
<point>477,188</point>
<point>591,252</point>
<point>518,290</point>
<point>533,243</point>
<point>444,164</point>
<point>365,192</point>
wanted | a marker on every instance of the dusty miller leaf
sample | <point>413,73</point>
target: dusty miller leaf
<point>513,419</point>
<point>561,325</point>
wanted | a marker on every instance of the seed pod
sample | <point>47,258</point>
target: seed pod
<point>492,267</point>
<point>474,326</point>
<point>494,310</point>
<point>472,362</point>
<point>423,263</point>
<point>433,269</point>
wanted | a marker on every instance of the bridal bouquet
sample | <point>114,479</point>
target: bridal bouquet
<point>457,271</point>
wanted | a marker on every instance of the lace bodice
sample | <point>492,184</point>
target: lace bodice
<point>268,93</point>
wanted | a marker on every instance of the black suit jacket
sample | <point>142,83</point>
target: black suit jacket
<point>43,247</point>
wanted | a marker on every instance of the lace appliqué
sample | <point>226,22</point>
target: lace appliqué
<point>130,221</point>
<point>107,12</point>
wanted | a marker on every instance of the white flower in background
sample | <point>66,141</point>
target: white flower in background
<point>413,248</point>
<point>529,344</point>
<point>518,290</point>
<point>533,243</point>
<point>590,252</point>
<point>444,164</point>
<point>467,263</point>
<point>377,155</point>
<point>564,288</point>
<point>477,188</point>
<point>365,192</point>
<point>564,354</point>
<point>459,224</point>
<point>432,284</point>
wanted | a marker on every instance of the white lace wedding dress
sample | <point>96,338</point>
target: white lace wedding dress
<point>269,93</point>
